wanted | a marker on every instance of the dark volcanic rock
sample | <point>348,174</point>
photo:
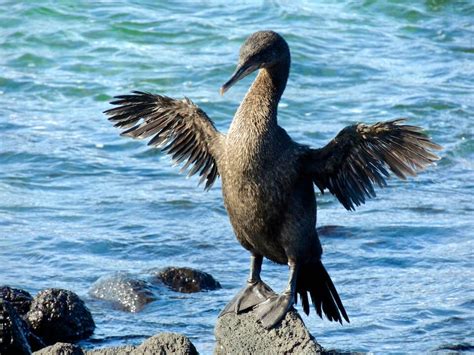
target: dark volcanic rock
<point>19,299</point>
<point>243,334</point>
<point>60,349</point>
<point>13,339</point>
<point>127,293</point>
<point>187,280</point>
<point>60,315</point>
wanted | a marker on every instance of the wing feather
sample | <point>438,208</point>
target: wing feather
<point>361,156</point>
<point>179,127</point>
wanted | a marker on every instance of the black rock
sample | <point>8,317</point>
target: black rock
<point>13,340</point>
<point>59,316</point>
<point>19,299</point>
<point>123,290</point>
<point>187,280</point>
<point>60,349</point>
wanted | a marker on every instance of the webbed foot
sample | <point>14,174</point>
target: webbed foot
<point>274,309</point>
<point>251,295</point>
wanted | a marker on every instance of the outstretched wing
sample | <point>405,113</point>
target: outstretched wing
<point>361,156</point>
<point>178,127</point>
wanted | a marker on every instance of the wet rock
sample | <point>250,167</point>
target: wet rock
<point>21,300</point>
<point>59,316</point>
<point>13,340</point>
<point>60,349</point>
<point>18,299</point>
<point>167,343</point>
<point>187,280</point>
<point>243,334</point>
<point>124,291</point>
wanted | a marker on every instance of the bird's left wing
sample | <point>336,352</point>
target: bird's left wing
<point>361,156</point>
<point>179,127</point>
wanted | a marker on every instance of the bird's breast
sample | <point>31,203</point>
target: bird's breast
<point>255,186</point>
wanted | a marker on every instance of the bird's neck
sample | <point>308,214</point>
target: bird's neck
<point>258,111</point>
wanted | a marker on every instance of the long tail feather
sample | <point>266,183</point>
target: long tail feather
<point>315,280</point>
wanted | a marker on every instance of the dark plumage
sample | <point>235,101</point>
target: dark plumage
<point>181,128</point>
<point>267,178</point>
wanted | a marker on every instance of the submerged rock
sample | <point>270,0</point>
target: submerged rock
<point>243,334</point>
<point>13,339</point>
<point>18,299</point>
<point>456,347</point>
<point>59,315</point>
<point>124,291</point>
<point>187,280</point>
<point>60,349</point>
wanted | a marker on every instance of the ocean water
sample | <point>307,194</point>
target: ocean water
<point>78,202</point>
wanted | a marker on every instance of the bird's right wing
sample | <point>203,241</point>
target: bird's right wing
<point>179,127</point>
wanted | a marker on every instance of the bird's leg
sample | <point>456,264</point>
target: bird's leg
<point>255,292</point>
<point>275,308</point>
<point>255,269</point>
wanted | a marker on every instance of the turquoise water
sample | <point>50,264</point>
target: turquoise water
<point>78,202</point>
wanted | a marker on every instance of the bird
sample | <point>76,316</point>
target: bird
<point>268,179</point>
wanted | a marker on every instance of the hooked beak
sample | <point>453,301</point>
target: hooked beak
<point>241,72</point>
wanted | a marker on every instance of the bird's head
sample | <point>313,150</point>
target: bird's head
<point>262,49</point>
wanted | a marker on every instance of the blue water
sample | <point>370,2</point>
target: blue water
<point>78,202</point>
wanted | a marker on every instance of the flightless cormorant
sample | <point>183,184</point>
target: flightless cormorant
<point>267,178</point>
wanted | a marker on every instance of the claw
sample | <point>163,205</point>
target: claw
<point>250,296</point>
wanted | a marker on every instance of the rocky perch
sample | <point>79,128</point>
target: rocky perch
<point>243,334</point>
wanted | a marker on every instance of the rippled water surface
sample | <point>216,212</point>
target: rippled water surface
<point>78,202</point>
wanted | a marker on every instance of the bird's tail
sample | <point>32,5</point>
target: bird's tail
<point>315,280</point>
